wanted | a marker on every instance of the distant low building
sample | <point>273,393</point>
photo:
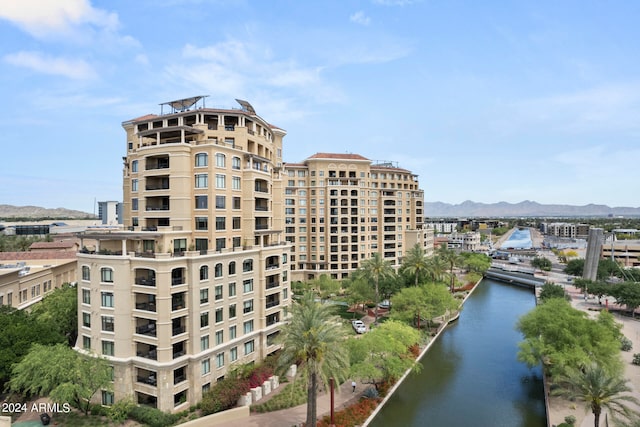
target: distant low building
<point>626,252</point>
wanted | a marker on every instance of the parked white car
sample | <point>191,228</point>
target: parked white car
<point>359,326</point>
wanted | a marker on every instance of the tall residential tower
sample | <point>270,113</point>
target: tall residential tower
<point>198,281</point>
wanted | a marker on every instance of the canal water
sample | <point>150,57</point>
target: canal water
<point>471,375</point>
<point>520,238</point>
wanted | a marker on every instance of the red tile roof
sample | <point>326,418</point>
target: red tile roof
<point>53,245</point>
<point>338,156</point>
<point>26,256</point>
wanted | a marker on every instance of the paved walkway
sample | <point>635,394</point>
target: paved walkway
<point>298,414</point>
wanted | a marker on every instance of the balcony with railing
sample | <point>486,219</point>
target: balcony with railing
<point>178,301</point>
<point>272,262</point>
<point>261,186</point>
<point>146,376</point>
<point>273,281</point>
<point>261,224</point>
<point>179,349</point>
<point>147,351</point>
<point>145,277</point>
<point>178,276</point>
<point>157,204</point>
<point>157,162</point>
<point>145,302</point>
<point>272,319</point>
<point>178,326</point>
<point>179,375</point>
<point>261,205</point>
<point>272,300</point>
<point>160,182</point>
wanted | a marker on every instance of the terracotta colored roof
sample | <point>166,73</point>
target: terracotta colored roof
<point>26,256</point>
<point>53,245</point>
<point>145,117</point>
<point>340,156</point>
<point>295,165</point>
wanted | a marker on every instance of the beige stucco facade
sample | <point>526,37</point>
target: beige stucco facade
<point>198,280</point>
<point>342,208</point>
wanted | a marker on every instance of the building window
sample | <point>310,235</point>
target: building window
<point>235,183</point>
<point>220,160</point>
<point>204,296</point>
<point>204,320</point>
<point>233,354</point>
<point>221,181</point>
<point>107,299</point>
<point>235,223</point>
<point>107,348</point>
<point>218,293</point>
<point>201,202</point>
<point>202,223</point>
<point>107,398</point>
<point>232,289</point>
<point>220,243</point>
<point>232,311</point>
<point>236,203</point>
<point>235,163</point>
<point>220,360</point>
<point>134,166</point>
<point>86,296</point>
<point>204,272</point>
<point>221,202</point>
<point>248,347</point>
<point>247,285</point>
<point>218,270</point>
<point>247,265</point>
<point>108,324</point>
<point>106,275</point>
<point>232,268</point>
<point>247,306</point>
<point>86,319</point>
<point>86,342</point>
<point>204,343</point>
<point>248,326</point>
<point>220,223</point>
<point>134,204</point>
<point>219,316</point>
<point>219,337</point>
<point>86,273</point>
<point>202,180</point>
<point>206,366</point>
<point>232,332</point>
<point>134,185</point>
<point>202,159</point>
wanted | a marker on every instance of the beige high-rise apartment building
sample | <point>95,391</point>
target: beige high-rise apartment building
<point>197,281</point>
<point>342,208</point>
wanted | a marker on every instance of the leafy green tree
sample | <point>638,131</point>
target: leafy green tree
<point>383,353</point>
<point>475,262</point>
<point>62,373</point>
<point>376,269</point>
<point>627,293</point>
<point>542,263</point>
<point>551,290</point>
<point>575,267</point>
<point>316,340</point>
<point>60,309</point>
<point>19,330</point>
<point>423,302</point>
<point>358,290</point>
<point>561,336</point>
<point>325,286</point>
<point>415,262</point>
<point>436,269</point>
<point>599,389</point>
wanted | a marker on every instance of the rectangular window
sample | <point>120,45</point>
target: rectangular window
<point>202,223</point>
<point>86,296</point>
<point>86,342</point>
<point>235,223</point>
<point>247,285</point>
<point>219,316</point>
<point>220,223</point>
<point>106,275</point>
<point>107,299</point>
<point>248,347</point>
<point>107,348</point>
<point>220,360</point>
<point>204,296</point>
<point>232,289</point>
<point>107,398</point>
<point>236,203</point>
<point>220,160</point>
<point>221,181</point>
<point>233,332</point>
<point>134,166</point>
<point>86,319</point>
<point>204,343</point>
<point>219,337</point>
<point>247,306</point>
<point>134,185</point>
<point>248,326</point>
<point>218,294</point>
<point>202,202</point>
<point>232,311</point>
<point>233,354</point>
<point>221,202</point>
<point>204,320</point>
<point>134,204</point>
<point>108,323</point>
<point>206,366</point>
<point>202,180</point>
<point>235,183</point>
<point>202,159</point>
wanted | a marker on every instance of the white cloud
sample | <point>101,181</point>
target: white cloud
<point>360,18</point>
<point>42,18</point>
<point>76,69</point>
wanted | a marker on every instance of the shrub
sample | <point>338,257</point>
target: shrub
<point>636,359</point>
<point>223,395</point>
<point>352,415</point>
<point>152,416</point>
<point>570,419</point>
<point>625,343</point>
<point>119,411</point>
<point>293,394</point>
<point>370,393</point>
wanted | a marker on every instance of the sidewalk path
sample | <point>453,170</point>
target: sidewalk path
<point>298,414</point>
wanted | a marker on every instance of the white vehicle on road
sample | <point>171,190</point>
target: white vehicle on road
<point>359,326</point>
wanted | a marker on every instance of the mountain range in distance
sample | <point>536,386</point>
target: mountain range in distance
<point>468,208</point>
<point>526,208</point>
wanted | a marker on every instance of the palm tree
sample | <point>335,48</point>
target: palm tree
<point>436,268</point>
<point>314,338</point>
<point>598,389</point>
<point>415,262</point>
<point>452,259</point>
<point>376,268</point>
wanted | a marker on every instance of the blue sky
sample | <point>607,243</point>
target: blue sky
<point>485,100</point>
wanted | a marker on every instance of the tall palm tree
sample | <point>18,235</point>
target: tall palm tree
<point>415,262</point>
<point>376,268</point>
<point>452,259</point>
<point>315,339</point>
<point>436,268</point>
<point>598,389</point>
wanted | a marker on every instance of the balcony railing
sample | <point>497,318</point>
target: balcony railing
<point>151,380</point>
<point>146,306</point>
<point>151,354</point>
<point>178,330</point>
<point>271,304</point>
<point>146,281</point>
<point>148,329</point>
<point>272,284</point>
<point>177,280</point>
<point>179,379</point>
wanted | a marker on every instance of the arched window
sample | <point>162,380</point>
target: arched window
<point>220,160</point>
<point>204,272</point>
<point>202,159</point>
<point>247,265</point>
<point>218,270</point>
<point>232,268</point>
